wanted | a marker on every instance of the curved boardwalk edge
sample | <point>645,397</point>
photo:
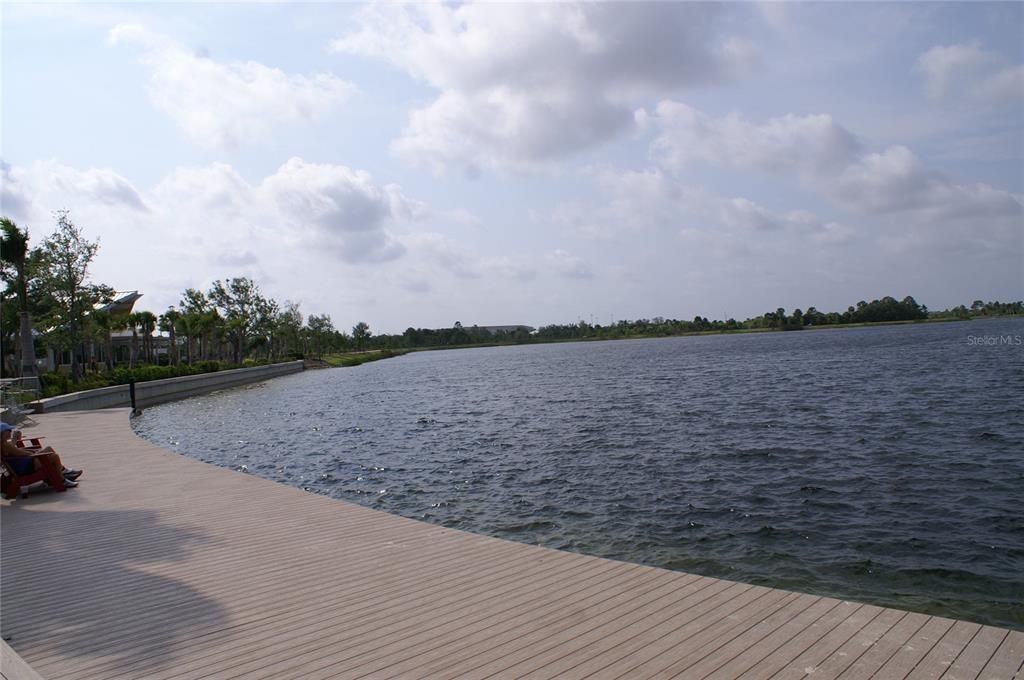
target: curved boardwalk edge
<point>159,566</point>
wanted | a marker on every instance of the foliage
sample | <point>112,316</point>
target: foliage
<point>57,383</point>
<point>15,267</point>
<point>67,255</point>
<point>356,358</point>
<point>14,255</point>
<point>981,309</point>
<point>320,332</point>
<point>244,309</point>
<point>361,334</point>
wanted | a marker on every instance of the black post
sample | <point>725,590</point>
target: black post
<point>131,393</point>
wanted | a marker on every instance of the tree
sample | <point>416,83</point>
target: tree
<point>134,322</point>
<point>203,321</point>
<point>14,252</point>
<point>797,318</point>
<point>188,325</point>
<point>104,324</point>
<point>67,255</point>
<point>320,331</point>
<point>169,324</point>
<point>289,328</point>
<point>265,324</point>
<point>212,331</point>
<point>147,324</point>
<point>361,334</point>
<point>243,307</point>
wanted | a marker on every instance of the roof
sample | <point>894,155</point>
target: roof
<point>121,305</point>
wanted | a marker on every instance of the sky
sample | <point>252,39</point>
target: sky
<point>500,163</point>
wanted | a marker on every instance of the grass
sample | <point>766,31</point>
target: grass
<point>356,358</point>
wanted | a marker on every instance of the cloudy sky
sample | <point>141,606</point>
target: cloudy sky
<point>417,165</point>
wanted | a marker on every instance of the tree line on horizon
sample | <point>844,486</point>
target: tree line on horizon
<point>885,310</point>
<point>233,323</point>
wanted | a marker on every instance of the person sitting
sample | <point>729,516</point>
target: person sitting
<point>26,461</point>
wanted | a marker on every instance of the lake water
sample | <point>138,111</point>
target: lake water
<point>881,464</point>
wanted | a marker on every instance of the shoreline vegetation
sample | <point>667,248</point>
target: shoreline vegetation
<point>53,314</point>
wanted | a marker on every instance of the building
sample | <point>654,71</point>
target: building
<point>90,352</point>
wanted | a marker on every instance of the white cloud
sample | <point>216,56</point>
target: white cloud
<point>225,105</point>
<point>14,201</point>
<point>340,208</point>
<point>947,66</point>
<point>652,200</point>
<point>33,192</point>
<point>567,265</point>
<point>464,217</point>
<point>331,208</point>
<point>1004,85</point>
<point>896,180</point>
<point>827,158</point>
<point>438,251</point>
<point>520,84</point>
<point>744,214</point>
<point>217,188</point>
<point>445,253</point>
<point>301,225</point>
<point>952,71</point>
<point>807,144</point>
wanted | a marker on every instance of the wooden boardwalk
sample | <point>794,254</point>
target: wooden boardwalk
<point>159,566</point>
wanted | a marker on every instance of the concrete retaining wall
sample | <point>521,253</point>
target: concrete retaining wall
<point>157,391</point>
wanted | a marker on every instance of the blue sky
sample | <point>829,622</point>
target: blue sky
<point>417,165</point>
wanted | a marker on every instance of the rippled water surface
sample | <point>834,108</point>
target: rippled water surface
<point>876,464</point>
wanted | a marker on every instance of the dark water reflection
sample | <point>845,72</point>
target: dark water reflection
<point>882,464</point>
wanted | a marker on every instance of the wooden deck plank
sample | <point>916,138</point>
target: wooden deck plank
<point>813,637</point>
<point>185,570</point>
<point>728,647</point>
<point>531,645</point>
<point>641,636</point>
<point>386,662</point>
<point>367,634</point>
<point>945,651</point>
<point>276,620</point>
<point>968,665</point>
<point>696,634</point>
<point>614,640</point>
<point>1008,659</point>
<point>482,640</point>
<point>577,630</point>
<point>214,582</point>
<point>874,657</point>
<point>214,577</point>
<point>13,667</point>
<point>907,657</point>
<point>862,622</point>
<point>752,656</point>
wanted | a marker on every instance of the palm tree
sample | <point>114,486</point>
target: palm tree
<point>133,323</point>
<point>211,329</point>
<point>188,325</point>
<point>14,251</point>
<point>102,320</point>
<point>168,324</point>
<point>147,324</point>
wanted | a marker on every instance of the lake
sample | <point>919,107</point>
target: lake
<point>880,464</point>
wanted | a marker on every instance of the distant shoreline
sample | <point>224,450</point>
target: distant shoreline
<point>735,331</point>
